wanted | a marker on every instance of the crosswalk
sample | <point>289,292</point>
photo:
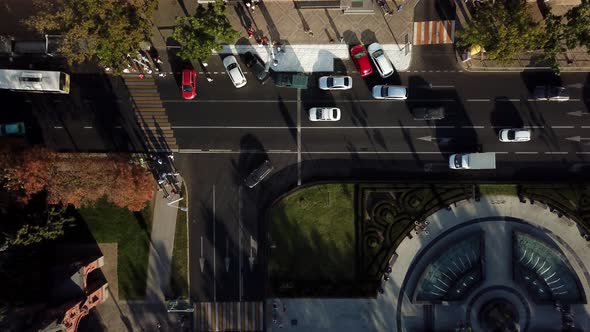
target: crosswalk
<point>434,32</point>
<point>229,316</point>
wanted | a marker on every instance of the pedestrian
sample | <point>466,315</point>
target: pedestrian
<point>209,79</point>
<point>171,156</point>
<point>342,39</point>
<point>250,32</point>
<point>160,162</point>
<point>264,41</point>
<point>310,33</point>
<point>141,76</point>
<point>174,191</point>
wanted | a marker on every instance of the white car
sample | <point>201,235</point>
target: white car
<point>234,71</point>
<point>515,135</point>
<point>324,114</point>
<point>396,92</point>
<point>381,61</point>
<point>335,82</point>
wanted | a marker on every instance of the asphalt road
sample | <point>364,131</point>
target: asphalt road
<point>226,132</point>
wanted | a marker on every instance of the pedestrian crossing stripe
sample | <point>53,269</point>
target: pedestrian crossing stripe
<point>229,316</point>
<point>434,32</point>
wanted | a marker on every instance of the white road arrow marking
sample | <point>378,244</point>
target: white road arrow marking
<point>202,259</point>
<point>226,255</point>
<point>578,113</point>
<point>443,140</point>
<point>578,138</point>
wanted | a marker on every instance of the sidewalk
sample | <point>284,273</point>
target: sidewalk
<point>161,247</point>
<point>574,60</point>
<point>281,22</point>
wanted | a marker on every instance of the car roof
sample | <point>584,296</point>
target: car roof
<point>396,90</point>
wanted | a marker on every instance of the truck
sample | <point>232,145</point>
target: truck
<point>485,160</point>
<point>289,80</point>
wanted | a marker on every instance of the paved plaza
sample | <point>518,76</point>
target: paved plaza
<point>501,224</point>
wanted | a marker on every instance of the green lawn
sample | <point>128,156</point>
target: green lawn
<point>498,189</point>
<point>178,277</point>
<point>131,231</point>
<point>313,234</point>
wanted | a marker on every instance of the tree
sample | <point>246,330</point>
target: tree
<point>503,28</point>
<point>77,179</point>
<point>51,227</point>
<point>107,29</point>
<point>578,25</point>
<point>207,30</point>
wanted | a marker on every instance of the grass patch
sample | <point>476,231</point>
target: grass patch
<point>498,189</point>
<point>178,277</point>
<point>313,234</point>
<point>131,231</point>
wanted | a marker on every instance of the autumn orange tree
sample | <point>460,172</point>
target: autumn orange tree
<point>79,179</point>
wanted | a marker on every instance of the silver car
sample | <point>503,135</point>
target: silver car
<point>259,174</point>
<point>335,82</point>
<point>395,92</point>
<point>381,61</point>
<point>234,71</point>
<point>515,135</point>
<point>324,114</point>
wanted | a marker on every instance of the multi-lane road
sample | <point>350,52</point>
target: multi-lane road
<point>226,132</point>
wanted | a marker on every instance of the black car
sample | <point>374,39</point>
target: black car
<point>258,67</point>
<point>258,174</point>
<point>429,113</point>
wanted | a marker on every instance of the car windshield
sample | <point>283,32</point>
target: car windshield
<point>330,81</point>
<point>187,88</point>
<point>360,54</point>
<point>345,81</point>
<point>377,53</point>
<point>511,134</point>
<point>319,113</point>
<point>12,129</point>
<point>384,90</point>
<point>458,161</point>
<point>334,113</point>
<point>558,91</point>
<point>231,66</point>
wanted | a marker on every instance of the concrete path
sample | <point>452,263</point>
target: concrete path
<point>161,246</point>
<point>381,314</point>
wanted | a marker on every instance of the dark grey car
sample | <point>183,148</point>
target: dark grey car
<point>429,113</point>
<point>258,67</point>
<point>258,174</point>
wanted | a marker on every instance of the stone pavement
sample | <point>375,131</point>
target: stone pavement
<point>381,314</point>
<point>281,22</point>
<point>574,60</point>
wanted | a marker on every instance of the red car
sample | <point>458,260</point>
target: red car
<point>189,83</point>
<point>361,60</point>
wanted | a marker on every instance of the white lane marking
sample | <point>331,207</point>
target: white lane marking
<point>295,101</point>
<point>562,127</point>
<point>58,127</point>
<point>298,137</point>
<point>313,127</point>
<point>220,150</point>
<point>214,278</point>
<point>472,127</point>
<point>527,152</point>
<point>87,127</point>
<point>198,151</point>
<point>278,151</point>
<point>585,127</point>
<point>477,100</point>
<point>443,86</point>
<point>241,282</point>
<point>534,127</point>
<point>580,152</point>
<point>555,152</point>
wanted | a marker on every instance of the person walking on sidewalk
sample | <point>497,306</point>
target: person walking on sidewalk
<point>250,32</point>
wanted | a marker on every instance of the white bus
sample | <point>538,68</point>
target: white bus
<point>34,81</point>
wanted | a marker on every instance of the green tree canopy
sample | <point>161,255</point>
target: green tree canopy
<point>578,25</point>
<point>207,30</point>
<point>105,29</point>
<point>503,28</point>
